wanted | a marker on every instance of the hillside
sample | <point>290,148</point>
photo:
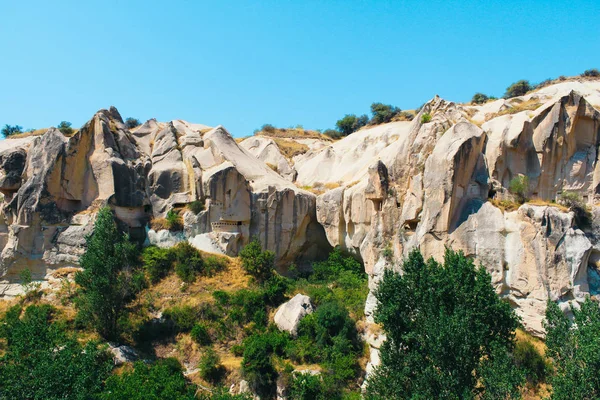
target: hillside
<point>513,183</point>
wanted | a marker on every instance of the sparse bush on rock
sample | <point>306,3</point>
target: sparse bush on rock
<point>518,88</point>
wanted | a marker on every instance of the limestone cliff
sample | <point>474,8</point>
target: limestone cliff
<point>429,183</point>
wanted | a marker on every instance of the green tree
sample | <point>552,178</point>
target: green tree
<point>479,98</point>
<point>258,263</point>
<point>105,281</point>
<point>210,366</point>
<point>383,113</point>
<point>65,128</point>
<point>161,380</point>
<point>131,123</point>
<point>574,347</point>
<point>9,130</point>
<point>257,364</point>
<point>447,333</point>
<point>518,88</point>
<point>305,386</point>
<point>351,123</point>
<point>41,360</point>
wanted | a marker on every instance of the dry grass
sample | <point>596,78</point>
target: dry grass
<point>313,189</point>
<point>36,132</point>
<point>332,185</point>
<point>291,133</point>
<point>159,224</point>
<point>542,390</point>
<point>517,107</point>
<point>540,202</point>
<point>272,166</point>
<point>505,205</point>
<point>290,148</point>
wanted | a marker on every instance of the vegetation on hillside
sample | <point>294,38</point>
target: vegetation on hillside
<point>448,333</point>
<point>9,130</point>
<point>201,322</point>
<point>131,123</point>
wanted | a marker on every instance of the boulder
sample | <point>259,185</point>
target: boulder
<point>289,314</point>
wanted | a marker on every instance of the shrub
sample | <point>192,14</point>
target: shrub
<point>351,123</point>
<point>479,98</point>
<point>583,217</point>
<point>188,256</point>
<point>425,118</point>
<point>531,362</point>
<point>256,262</point>
<point>214,264</point>
<point>183,318</point>
<point>161,380</point>
<point>257,365</point>
<point>131,123</point>
<point>200,334</point>
<point>305,386</point>
<point>174,221</point>
<point>519,187</point>
<point>268,128</point>
<point>65,128</point>
<point>519,88</point>
<point>10,130</point>
<point>383,113</point>
<point>41,360</point>
<point>157,262</point>
<point>185,272</point>
<point>591,73</point>
<point>196,206</point>
<point>210,366</point>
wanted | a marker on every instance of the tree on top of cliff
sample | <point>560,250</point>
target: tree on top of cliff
<point>10,130</point>
<point>106,280</point>
<point>448,334</point>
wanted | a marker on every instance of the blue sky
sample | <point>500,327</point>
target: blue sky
<point>242,64</point>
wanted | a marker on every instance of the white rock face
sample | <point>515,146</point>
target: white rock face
<point>290,314</point>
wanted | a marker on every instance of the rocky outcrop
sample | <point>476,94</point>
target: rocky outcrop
<point>290,313</point>
<point>53,185</point>
<point>429,183</point>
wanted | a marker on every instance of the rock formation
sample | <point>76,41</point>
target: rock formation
<point>429,183</point>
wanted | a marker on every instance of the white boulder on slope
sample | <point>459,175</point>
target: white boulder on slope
<point>290,314</point>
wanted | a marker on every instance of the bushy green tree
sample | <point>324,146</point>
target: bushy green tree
<point>65,128</point>
<point>10,130</point>
<point>351,123</point>
<point>574,347</point>
<point>106,280</point>
<point>161,380</point>
<point>257,365</point>
<point>479,98</point>
<point>258,263</point>
<point>41,360</point>
<point>383,113</point>
<point>131,123</point>
<point>210,366</point>
<point>305,386</point>
<point>518,88</point>
<point>591,73</point>
<point>157,262</point>
<point>447,333</point>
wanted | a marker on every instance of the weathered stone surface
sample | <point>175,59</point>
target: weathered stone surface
<point>290,313</point>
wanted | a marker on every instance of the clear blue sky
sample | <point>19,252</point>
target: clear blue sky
<point>245,63</point>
